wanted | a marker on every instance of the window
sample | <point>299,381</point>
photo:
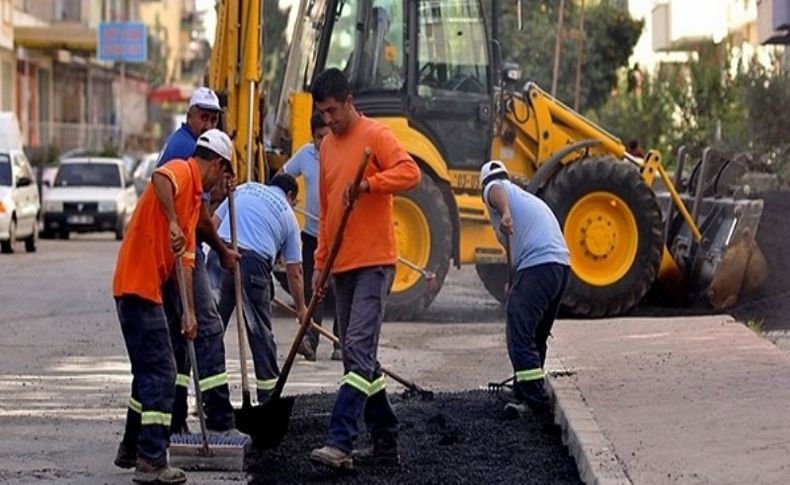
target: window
<point>453,50</point>
<point>5,170</point>
<point>367,44</point>
<point>88,175</point>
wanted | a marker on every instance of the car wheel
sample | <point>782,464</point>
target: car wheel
<point>31,242</point>
<point>119,227</point>
<point>63,235</point>
<point>8,246</point>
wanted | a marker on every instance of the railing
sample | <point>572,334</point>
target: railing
<point>67,136</point>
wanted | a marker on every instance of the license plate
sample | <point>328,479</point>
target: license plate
<point>80,219</point>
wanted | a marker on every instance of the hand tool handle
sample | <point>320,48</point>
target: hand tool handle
<point>509,262</point>
<point>192,356</point>
<point>326,333</point>
<point>241,328</point>
<point>330,260</point>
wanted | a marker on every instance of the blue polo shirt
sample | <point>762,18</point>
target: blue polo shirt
<point>305,162</point>
<point>179,145</point>
<point>537,237</point>
<point>265,222</point>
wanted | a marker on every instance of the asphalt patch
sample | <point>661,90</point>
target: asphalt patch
<point>454,438</point>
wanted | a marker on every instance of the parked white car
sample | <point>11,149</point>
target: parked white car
<point>144,170</point>
<point>20,205</point>
<point>90,194</point>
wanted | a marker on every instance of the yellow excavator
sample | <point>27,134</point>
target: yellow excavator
<point>431,71</point>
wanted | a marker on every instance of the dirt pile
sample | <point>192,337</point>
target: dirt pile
<point>770,307</point>
<point>456,438</point>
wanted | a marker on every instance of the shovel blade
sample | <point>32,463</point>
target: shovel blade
<point>266,423</point>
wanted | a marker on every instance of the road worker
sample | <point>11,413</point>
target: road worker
<point>202,115</point>
<point>266,225</point>
<point>541,264</point>
<point>162,229</point>
<point>364,269</point>
<point>305,163</point>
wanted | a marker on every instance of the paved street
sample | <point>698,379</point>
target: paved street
<point>65,374</point>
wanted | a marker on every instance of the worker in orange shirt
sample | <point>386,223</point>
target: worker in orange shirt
<point>364,268</point>
<point>162,228</point>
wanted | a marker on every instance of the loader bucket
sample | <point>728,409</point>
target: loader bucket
<point>727,264</point>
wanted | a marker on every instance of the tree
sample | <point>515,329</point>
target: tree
<point>610,36</point>
<point>275,48</point>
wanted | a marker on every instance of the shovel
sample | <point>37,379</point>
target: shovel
<point>410,385</point>
<point>276,412</point>
<point>248,418</point>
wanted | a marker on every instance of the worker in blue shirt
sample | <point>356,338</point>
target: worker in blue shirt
<point>541,266</point>
<point>266,226</point>
<point>202,115</point>
<point>305,163</point>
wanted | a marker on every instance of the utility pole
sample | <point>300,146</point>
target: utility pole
<point>577,91</point>
<point>557,49</point>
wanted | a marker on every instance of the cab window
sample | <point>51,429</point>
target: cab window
<point>367,44</point>
<point>452,54</point>
<point>5,170</point>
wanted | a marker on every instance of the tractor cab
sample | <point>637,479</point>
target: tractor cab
<point>426,62</point>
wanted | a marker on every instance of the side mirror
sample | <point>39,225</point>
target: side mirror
<point>24,182</point>
<point>129,182</point>
<point>47,184</point>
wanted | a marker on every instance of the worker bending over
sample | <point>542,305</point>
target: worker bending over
<point>540,259</point>
<point>364,268</point>
<point>202,115</point>
<point>266,226</point>
<point>162,228</point>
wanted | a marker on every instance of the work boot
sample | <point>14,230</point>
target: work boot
<point>332,457</point>
<point>337,354</point>
<point>126,456</point>
<point>383,452</point>
<point>145,472</point>
<point>306,350</point>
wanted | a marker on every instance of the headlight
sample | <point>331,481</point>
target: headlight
<point>53,206</point>
<point>107,206</point>
<point>2,208</point>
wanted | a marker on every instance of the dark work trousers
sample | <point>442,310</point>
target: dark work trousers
<point>309,245</point>
<point>531,307</point>
<point>360,297</point>
<point>147,339</point>
<point>256,281</point>
<point>209,349</point>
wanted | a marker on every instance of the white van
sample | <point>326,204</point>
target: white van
<point>20,205</point>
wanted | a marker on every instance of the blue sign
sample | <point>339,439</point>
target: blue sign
<point>123,42</point>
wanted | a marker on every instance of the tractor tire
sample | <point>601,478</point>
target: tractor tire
<point>9,245</point>
<point>423,232</point>
<point>494,277</point>
<point>612,225</point>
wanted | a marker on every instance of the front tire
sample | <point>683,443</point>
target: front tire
<point>612,225</point>
<point>31,242</point>
<point>8,246</point>
<point>423,232</point>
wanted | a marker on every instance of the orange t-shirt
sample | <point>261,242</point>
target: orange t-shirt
<point>145,259</point>
<point>369,237</point>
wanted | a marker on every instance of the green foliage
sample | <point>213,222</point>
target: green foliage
<point>610,36</point>
<point>275,48</point>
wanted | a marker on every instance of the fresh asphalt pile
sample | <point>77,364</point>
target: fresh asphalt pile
<point>460,437</point>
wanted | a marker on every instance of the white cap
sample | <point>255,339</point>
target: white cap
<point>204,98</point>
<point>491,168</point>
<point>218,142</point>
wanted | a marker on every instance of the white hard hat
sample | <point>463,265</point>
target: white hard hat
<point>491,168</point>
<point>205,98</point>
<point>218,142</point>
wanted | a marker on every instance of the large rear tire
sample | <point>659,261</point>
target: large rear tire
<point>494,278</point>
<point>423,232</point>
<point>612,224</point>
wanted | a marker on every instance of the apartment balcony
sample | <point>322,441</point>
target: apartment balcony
<point>69,136</point>
<point>61,35</point>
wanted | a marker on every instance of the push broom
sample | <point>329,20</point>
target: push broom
<point>203,451</point>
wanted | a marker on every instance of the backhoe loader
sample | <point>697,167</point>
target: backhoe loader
<point>431,71</point>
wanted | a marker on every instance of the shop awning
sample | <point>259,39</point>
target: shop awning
<point>170,94</point>
<point>72,37</point>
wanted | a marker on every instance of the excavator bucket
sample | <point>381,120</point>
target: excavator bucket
<point>724,264</point>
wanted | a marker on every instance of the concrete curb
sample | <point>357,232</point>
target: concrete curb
<point>593,452</point>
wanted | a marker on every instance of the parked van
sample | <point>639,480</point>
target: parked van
<point>20,205</point>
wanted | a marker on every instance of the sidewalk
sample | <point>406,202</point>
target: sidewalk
<point>683,400</point>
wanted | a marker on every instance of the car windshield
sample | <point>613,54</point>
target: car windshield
<point>5,170</point>
<point>88,175</point>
